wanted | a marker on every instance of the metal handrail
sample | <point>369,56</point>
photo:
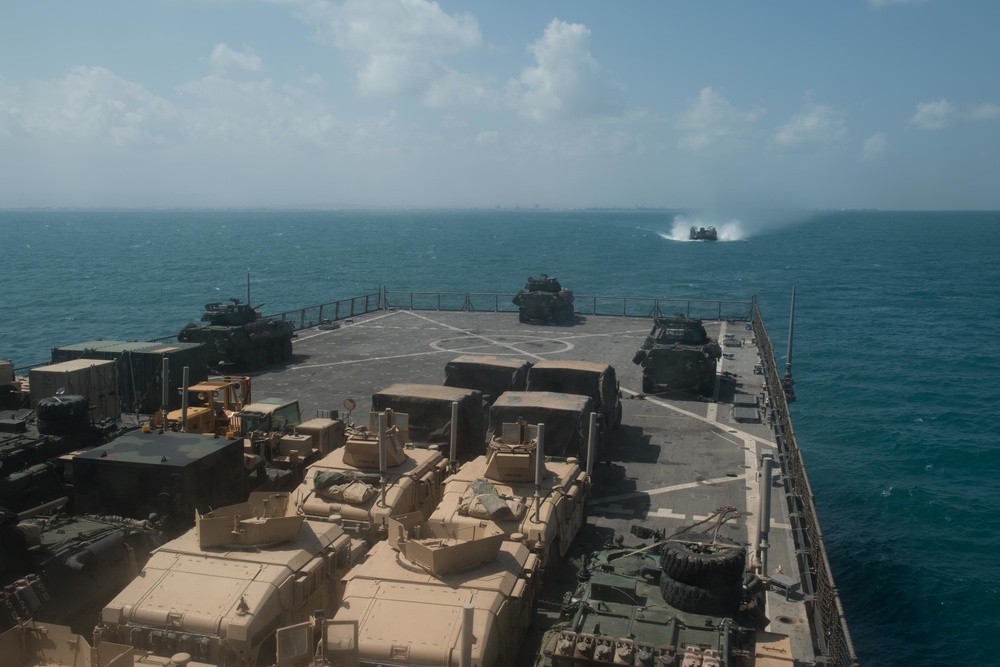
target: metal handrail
<point>833,639</point>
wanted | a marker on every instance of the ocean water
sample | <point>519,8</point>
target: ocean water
<point>895,354</point>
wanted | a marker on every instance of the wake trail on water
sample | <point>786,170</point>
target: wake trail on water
<point>728,231</point>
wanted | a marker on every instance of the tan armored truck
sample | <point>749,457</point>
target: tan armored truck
<point>535,499</point>
<point>219,591</point>
<point>441,595</point>
<point>376,475</point>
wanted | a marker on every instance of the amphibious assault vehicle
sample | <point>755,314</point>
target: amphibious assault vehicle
<point>678,355</point>
<point>544,301</point>
<point>376,475</point>
<point>64,569</point>
<point>235,333</point>
<point>535,499</point>
<point>219,591</point>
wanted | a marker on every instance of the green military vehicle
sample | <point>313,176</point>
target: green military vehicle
<point>237,334</point>
<point>544,301</point>
<point>678,355</point>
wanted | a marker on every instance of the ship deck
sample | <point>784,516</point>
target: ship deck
<point>673,462</point>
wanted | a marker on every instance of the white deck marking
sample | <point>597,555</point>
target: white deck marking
<point>661,490</point>
<point>686,413</point>
<point>485,338</point>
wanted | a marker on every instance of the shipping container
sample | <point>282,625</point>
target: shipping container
<point>95,379</point>
<point>139,365</point>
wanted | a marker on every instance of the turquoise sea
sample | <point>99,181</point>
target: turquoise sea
<point>895,356</point>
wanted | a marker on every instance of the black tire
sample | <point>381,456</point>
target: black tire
<point>716,600</point>
<point>286,348</point>
<point>521,318</point>
<point>66,407</point>
<point>639,356</point>
<point>647,385</point>
<point>698,561</point>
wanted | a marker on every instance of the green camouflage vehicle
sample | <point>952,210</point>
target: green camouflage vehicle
<point>678,355</point>
<point>544,301</point>
<point>237,334</point>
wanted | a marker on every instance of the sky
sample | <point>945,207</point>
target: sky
<point>891,104</point>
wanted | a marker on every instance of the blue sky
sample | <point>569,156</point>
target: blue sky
<point>407,103</point>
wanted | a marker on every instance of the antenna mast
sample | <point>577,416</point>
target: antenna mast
<point>787,382</point>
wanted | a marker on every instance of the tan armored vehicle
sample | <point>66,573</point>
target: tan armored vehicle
<point>219,591</point>
<point>376,475</point>
<point>535,499</point>
<point>435,594</point>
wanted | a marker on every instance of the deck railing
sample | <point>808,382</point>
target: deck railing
<point>333,311</point>
<point>823,600</point>
<point>620,306</point>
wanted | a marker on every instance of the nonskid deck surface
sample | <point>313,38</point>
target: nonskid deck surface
<point>673,462</point>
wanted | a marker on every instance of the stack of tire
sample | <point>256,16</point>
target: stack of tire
<point>63,415</point>
<point>702,574</point>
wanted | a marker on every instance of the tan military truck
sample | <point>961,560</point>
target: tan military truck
<point>441,595</point>
<point>535,499</point>
<point>376,475</point>
<point>219,591</point>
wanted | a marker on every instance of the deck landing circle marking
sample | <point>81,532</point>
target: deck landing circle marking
<point>502,346</point>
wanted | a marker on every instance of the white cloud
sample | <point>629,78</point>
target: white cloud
<point>933,115</point>
<point>224,59</point>
<point>874,146</point>
<point>396,46</point>
<point>818,127</point>
<point>711,120</point>
<point>89,104</point>
<point>567,82</point>
<point>988,111</point>
<point>465,90</point>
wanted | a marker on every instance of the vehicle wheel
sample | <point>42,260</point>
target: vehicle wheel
<point>639,356</point>
<point>698,561</point>
<point>700,600</point>
<point>647,385</point>
<point>67,406</point>
<point>521,318</point>
<point>286,348</point>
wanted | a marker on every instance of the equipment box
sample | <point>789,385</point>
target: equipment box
<point>139,365</point>
<point>95,379</point>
